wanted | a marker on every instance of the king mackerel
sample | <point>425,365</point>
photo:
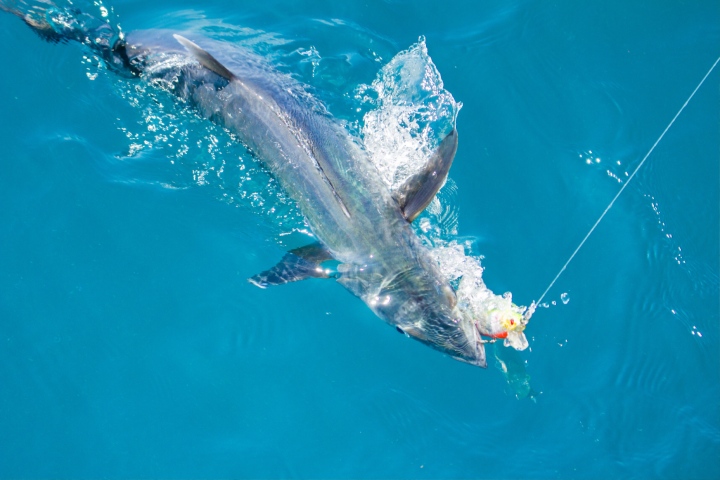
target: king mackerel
<point>355,218</point>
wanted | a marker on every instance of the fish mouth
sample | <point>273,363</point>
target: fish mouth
<point>473,350</point>
<point>479,359</point>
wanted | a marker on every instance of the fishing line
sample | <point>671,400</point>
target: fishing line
<point>532,307</point>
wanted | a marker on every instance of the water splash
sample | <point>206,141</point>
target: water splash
<point>410,114</point>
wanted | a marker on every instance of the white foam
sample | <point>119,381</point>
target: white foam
<point>411,113</point>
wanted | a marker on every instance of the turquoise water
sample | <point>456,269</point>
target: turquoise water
<point>133,346</point>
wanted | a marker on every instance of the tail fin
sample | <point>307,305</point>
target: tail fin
<point>59,23</point>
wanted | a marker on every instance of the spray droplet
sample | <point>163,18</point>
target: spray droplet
<point>565,298</point>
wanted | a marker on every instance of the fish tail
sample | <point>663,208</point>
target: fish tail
<point>59,22</point>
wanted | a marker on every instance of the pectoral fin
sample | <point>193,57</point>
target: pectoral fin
<point>417,191</point>
<point>205,59</point>
<point>298,264</point>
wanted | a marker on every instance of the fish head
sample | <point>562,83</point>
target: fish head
<point>422,305</point>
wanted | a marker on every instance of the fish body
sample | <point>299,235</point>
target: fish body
<point>350,210</point>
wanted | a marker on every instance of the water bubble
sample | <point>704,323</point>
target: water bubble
<point>410,114</point>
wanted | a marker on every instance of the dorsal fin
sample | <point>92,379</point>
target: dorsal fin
<point>205,59</point>
<point>417,191</point>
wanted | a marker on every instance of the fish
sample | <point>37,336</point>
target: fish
<point>364,239</point>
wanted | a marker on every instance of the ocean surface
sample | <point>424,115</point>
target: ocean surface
<point>133,346</point>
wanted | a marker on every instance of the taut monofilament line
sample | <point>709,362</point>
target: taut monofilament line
<point>531,309</point>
